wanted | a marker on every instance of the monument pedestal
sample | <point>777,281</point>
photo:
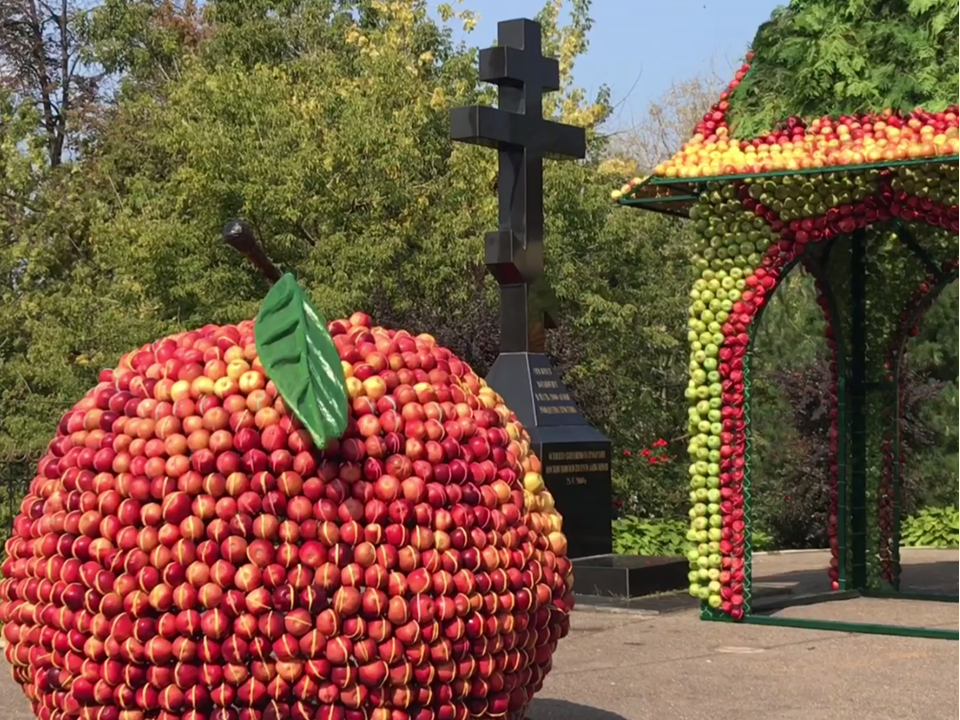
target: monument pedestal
<point>575,456</point>
<point>576,464</point>
<point>627,577</point>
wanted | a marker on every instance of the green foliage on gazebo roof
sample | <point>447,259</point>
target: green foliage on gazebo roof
<point>835,57</point>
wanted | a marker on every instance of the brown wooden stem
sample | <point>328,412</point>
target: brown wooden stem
<point>238,235</point>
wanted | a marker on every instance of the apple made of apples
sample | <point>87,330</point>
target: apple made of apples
<point>187,552</point>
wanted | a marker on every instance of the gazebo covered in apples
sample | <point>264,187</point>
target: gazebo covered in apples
<point>867,204</point>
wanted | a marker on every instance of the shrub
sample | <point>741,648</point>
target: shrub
<point>761,541</point>
<point>791,485</point>
<point>10,496</point>
<point>650,482</point>
<point>638,536</point>
<point>932,527</point>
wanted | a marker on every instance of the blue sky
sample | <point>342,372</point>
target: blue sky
<point>640,47</point>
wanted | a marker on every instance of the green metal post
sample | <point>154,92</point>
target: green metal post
<point>848,627</point>
<point>747,494</point>
<point>896,474</point>
<point>843,513</point>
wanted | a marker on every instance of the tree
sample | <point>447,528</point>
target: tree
<point>836,57</point>
<point>146,40</point>
<point>326,126</point>
<point>41,62</point>
<point>667,123</point>
<point>324,123</point>
<point>931,357</point>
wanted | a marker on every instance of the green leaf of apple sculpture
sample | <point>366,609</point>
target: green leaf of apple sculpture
<point>298,354</point>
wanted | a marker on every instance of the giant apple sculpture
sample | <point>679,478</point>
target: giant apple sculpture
<point>286,519</point>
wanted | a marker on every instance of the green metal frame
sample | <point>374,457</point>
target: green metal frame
<point>901,595</point>
<point>687,190</point>
<point>932,633</point>
<point>862,628</point>
<point>851,396</point>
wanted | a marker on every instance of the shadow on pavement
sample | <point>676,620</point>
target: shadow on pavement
<point>925,577</point>
<point>920,575</point>
<point>549,709</point>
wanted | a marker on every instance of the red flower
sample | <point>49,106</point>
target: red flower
<point>627,453</point>
<point>653,461</point>
<point>664,458</point>
<point>660,443</point>
<point>645,453</point>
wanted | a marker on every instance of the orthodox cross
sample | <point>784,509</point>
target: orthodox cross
<point>516,128</point>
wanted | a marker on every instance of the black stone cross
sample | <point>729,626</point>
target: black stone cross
<point>576,457</point>
<point>514,254</point>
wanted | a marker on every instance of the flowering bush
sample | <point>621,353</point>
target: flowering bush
<point>648,482</point>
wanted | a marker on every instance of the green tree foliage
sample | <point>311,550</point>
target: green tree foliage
<point>932,361</point>
<point>325,124</point>
<point>835,57</point>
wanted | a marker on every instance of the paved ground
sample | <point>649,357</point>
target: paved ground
<point>638,666</point>
<point>627,666</point>
<point>619,667</point>
<point>930,571</point>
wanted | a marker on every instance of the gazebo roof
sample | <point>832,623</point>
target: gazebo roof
<point>797,146</point>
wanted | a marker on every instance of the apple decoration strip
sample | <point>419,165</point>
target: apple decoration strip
<point>894,457</point>
<point>758,205</point>
<point>213,536</point>
<point>833,474</point>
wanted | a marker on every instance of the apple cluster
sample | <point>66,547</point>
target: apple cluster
<point>936,183</point>
<point>749,232</point>
<point>826,142</point>
<point>894,458</point>
<point>730,290</point>
<point>833,472</point>
<point>186,553</point>
<point>800,143</point>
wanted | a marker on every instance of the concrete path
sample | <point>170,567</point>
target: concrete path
<point>642,666</point>
<point>620,667</point>
<point>627,666</point>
